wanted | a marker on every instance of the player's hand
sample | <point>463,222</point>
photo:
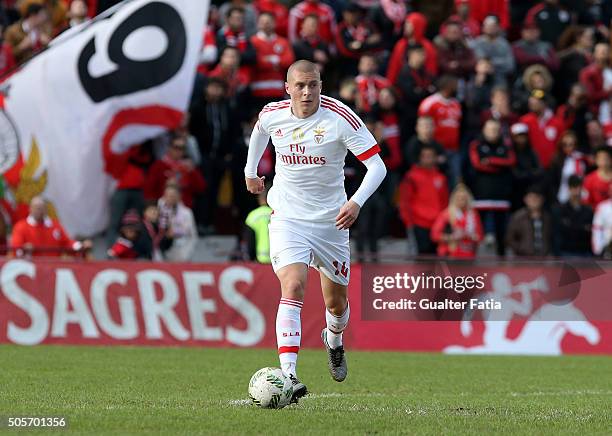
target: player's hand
<point>256,185</point>
<point>347,216</point>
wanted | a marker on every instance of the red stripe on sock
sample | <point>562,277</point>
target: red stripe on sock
<point>294,302</point>
<point>282,350</point>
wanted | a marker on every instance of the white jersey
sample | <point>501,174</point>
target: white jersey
<point>310,152</point>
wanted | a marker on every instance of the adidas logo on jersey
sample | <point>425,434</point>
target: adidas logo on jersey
<point>278,133</point>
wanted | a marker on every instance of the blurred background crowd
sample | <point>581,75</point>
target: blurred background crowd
<point>494,118</point>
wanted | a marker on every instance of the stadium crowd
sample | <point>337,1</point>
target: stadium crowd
<point>494,118</point>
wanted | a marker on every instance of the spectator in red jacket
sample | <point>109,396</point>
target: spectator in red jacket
<point>454,56</point>
<point>597,183</point>
<point>280,12</point>
<point>126,246</point>
<point>592,77</point>
<point>492,160</point>
<point>40,236</point>
<point>129,169</point>
<point>355,36</point>
<point>544,128</point>
<point>446,113</point>
<point>423,194</point>
<point>369,83</point>
<point>274,55</point>
<point>327,19</point>
<point>458,230</point>
<point>228,69</point>
<point>175,168</point>
<point>414,33</point>
<point>310,46</point>
<point>530,49</point>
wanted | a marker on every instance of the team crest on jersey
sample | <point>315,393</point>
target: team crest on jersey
<point>298,134</point>
<point>319,134</point>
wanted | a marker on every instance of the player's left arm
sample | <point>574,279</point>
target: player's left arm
<point>363,145</point>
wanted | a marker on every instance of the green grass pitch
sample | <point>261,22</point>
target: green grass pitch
<point>129,390</point>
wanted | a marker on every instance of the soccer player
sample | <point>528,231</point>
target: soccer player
<point>311,215</point>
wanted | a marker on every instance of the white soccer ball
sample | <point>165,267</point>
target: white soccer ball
<point>270,389</point>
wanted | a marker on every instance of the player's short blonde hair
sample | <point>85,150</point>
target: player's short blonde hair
<point>303,66</point>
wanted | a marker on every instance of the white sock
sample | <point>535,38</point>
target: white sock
<point>288,333</point>
<point>336,325</point>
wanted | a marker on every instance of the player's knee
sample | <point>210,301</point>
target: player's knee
<point>293,289</point>
<point>336,305</point>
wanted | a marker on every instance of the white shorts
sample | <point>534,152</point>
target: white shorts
<point>317,244</point>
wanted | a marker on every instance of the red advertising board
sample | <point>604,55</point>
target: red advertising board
<point>234,305</point>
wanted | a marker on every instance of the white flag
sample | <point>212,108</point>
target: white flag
<point>101,88</point>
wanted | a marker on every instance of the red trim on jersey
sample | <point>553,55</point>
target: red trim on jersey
<point>332,108</point>
<point>369,153</point>
<point>282,350</point>
<point>344,110</point>
<point>274,108</point>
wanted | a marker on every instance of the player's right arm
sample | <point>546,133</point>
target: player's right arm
<point>257,146</point>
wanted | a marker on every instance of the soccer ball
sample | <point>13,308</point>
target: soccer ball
<point>270,389</point>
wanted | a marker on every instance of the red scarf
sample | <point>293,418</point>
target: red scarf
<point>234,39</point>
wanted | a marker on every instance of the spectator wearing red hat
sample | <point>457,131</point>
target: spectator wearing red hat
<point>369,83</point>
<point>597,78</point>
<point>494,47</point>
<point>423,194</point>
<point>327,19</point>
<point>126,246</point>
<point>530,49</point>
<point>597,183</point>
<point>274,55</point>
<point>414,33</point>
<point>551,19</point>
<point>446,113</point>
<point>355,36</point>
<point>280,12</point>
<point>544,128</point>
<point>454,56</point>
<point>310,46</point>
<point>40,236</point>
